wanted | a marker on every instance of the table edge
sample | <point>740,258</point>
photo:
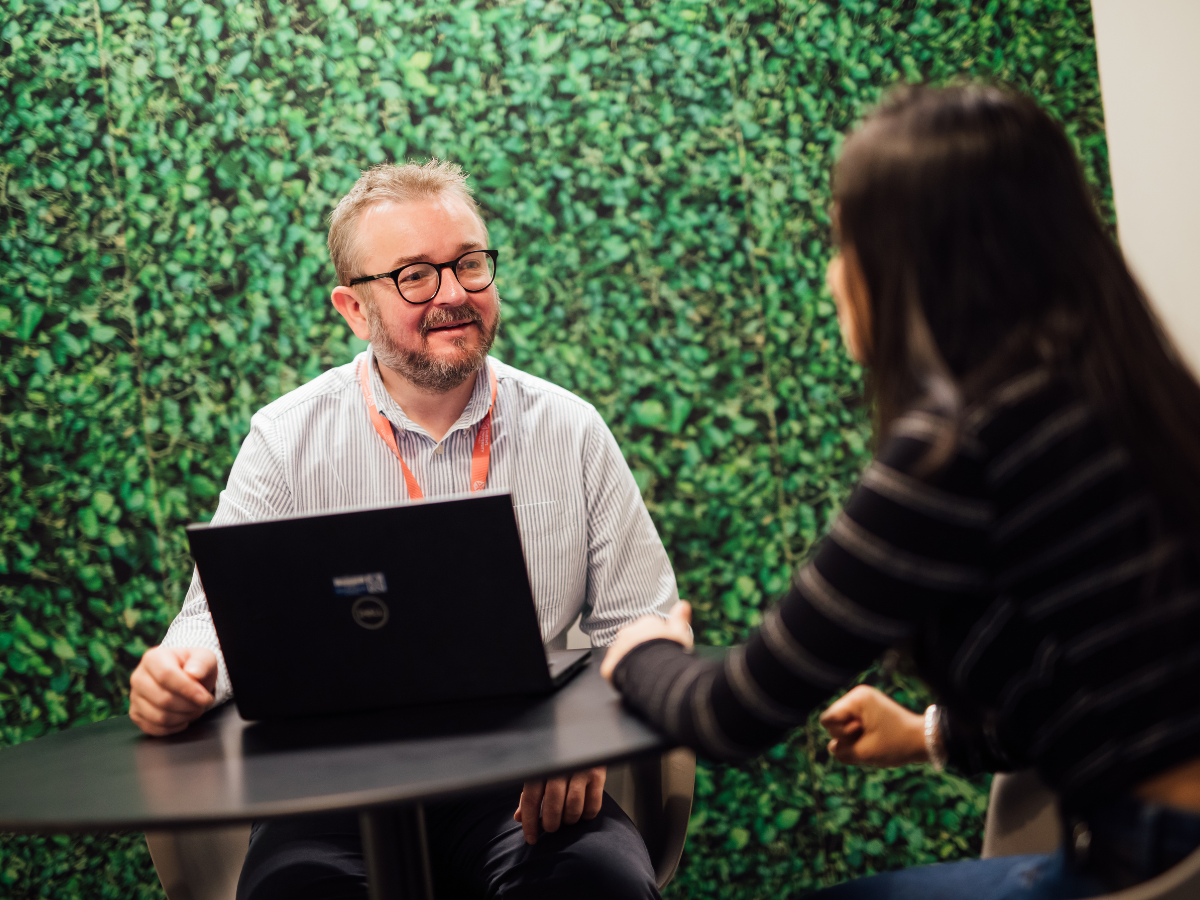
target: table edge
<point>356,800</point>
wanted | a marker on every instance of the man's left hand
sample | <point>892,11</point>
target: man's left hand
<point>560,800</point>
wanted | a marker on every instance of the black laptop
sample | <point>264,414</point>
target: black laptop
<point>347,611</point>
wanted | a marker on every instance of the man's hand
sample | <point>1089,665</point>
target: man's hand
<point>560,800</point>
<point>676,627</point>
<point>170,687</point>
<point>869,728</point>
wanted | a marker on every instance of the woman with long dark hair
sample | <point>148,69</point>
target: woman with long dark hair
<point>1027,528</point>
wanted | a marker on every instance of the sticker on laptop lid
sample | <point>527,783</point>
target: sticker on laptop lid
<point>354,585</point>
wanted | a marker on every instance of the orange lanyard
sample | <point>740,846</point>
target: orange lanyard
<point>481,455</point>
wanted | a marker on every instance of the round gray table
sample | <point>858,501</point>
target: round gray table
<point>108,776</point>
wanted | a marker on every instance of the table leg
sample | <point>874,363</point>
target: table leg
<point>396,853</point>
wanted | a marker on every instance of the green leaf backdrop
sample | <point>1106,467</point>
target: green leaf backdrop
<point>656,176</point>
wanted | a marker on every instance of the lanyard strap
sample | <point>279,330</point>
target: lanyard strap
<point>481,454</point>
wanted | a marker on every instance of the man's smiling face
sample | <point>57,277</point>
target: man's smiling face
<point>434,345</point>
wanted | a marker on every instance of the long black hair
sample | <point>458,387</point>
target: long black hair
<point>983,253</point>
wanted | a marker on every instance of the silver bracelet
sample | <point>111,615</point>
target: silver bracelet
<point>933,740</point>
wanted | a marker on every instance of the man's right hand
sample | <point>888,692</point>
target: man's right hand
<point>171,687</point>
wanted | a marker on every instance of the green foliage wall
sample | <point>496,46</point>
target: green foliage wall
<point>656,178</point>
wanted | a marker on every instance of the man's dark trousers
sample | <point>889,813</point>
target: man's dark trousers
<point>476,849</point>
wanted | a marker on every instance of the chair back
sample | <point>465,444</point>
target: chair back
<point>200,863</point>
<point>1023,817</point>
<point>656,793</point>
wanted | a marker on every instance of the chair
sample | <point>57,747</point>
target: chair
<point>200,863</point>
<point>1023,817</point>
<point>656,793</point>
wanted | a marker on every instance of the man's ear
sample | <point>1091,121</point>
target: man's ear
<point>347,303</point>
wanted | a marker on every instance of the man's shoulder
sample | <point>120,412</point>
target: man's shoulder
<point>329,385</point>
<point>544,393</point>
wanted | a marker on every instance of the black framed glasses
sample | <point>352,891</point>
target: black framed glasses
<point>420,282</point>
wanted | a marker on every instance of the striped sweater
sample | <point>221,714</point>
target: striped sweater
<point>1033,576</point>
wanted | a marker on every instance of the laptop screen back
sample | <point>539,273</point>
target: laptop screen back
<point>358,610</point>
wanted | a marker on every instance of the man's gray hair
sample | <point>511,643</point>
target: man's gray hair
<point>393,183</point>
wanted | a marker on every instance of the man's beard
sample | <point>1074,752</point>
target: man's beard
<point>418,367</point>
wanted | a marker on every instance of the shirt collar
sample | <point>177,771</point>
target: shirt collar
<point>476,408</point>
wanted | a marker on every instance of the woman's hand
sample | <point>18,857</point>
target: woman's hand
<point>871,729</point>
<point>676,627</point>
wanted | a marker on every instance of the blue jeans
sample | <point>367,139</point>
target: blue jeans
<point>1130,842</point>
<point>1038,876</point>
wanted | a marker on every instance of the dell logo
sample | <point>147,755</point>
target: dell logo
<point>369,612</point>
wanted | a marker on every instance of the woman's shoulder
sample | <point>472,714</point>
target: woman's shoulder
<point>1005,424</point>
<point>1018,401</point>
<point>1030,414</point>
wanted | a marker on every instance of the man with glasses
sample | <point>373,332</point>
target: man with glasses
<point>424,412</point>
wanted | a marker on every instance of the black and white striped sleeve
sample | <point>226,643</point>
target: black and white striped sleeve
<point>904,548</point>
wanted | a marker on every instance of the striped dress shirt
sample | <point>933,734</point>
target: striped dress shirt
<point>588,540</point>
<point>1037,577</point>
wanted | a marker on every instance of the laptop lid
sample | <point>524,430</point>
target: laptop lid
<point>368,608</point>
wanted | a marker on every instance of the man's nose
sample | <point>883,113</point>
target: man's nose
<point>450,292</point>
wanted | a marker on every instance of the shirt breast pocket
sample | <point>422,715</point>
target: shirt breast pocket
<point>540,520</point>
<point>554,543</point>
